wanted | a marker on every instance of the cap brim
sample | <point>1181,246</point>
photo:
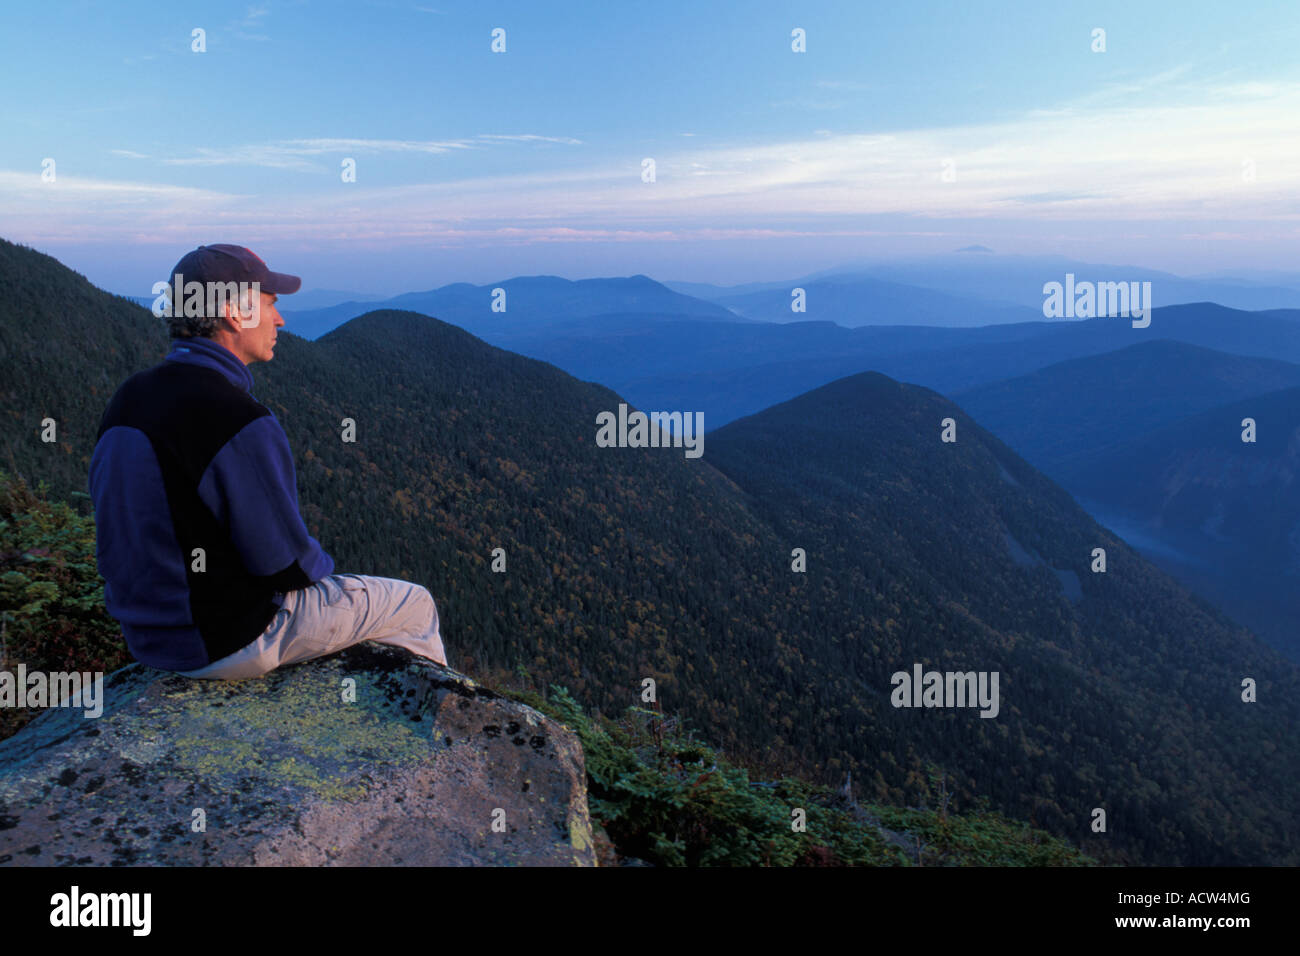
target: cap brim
<point>281,283</point>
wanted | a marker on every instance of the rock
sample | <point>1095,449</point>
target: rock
<point>282,770</point>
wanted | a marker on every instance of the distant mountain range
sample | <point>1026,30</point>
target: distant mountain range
<point>666,348</point>
<point>1119,690</point>
<point>1019,280</point>
<point>853,301</point>
<point>1071,410</point>
<point>960,290</point>
<point>531,303</point>
<point>966,289</point>
<point>324,298</point>
<point>728,370</point>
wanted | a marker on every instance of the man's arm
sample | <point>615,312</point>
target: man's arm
<point>252,489</point>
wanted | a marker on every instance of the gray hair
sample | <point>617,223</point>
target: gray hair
<point>182,326</point>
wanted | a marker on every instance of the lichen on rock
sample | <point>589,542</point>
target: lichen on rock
<point>367,757</point>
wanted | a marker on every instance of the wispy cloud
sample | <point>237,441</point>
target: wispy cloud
<point>532,138</point>
<point>293,154</point>
<point>251,21</point>
<point>1217,158</point>
<point>1126,89</point>
<point>296,153</point>
<point>77,208</point>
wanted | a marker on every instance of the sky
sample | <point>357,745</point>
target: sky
<point>900,130</point>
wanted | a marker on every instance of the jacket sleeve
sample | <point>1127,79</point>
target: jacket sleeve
<point>252,489</point>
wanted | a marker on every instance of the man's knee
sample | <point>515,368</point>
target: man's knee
<point>427,599</point>
<point>421,605</point>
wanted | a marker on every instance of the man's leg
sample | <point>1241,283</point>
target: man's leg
<point>384,610</point>
<point>334,613</point>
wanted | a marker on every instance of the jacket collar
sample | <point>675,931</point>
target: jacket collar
<point>205,352</point>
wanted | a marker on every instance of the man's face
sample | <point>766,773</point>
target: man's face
<point>258,331</point>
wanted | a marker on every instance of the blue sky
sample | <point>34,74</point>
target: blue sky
<point>904,130</point>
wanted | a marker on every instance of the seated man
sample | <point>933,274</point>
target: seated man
<point>207,564</point>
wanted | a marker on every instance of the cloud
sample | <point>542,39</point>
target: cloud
<point>293,154</point>
<point>78,208</point>
<point>1174,153</point>
<point>1126,89</point>
<point>251,21</point>
<point>531,138</point>
<point>296,153</point>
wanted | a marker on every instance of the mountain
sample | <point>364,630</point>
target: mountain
<point>1019,280</point>
<point>978,272</point>
<point>1072,409</point>
<point>74,345</point>
<point>1126,432</point>
<point>1276,277</point>
<point>531,304</point>
<point>1222,513</point>
<point>711,293</point>
<point>962,557</point>
<point>1118,690</point>
<point>727,366</point>
<point>856,301</point>
<point>727,371</point>
<point>325,298</point>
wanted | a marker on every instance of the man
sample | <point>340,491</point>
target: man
<point>207,563</point>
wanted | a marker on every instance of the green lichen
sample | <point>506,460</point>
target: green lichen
<point>580,837</point>
<point>264,723</point>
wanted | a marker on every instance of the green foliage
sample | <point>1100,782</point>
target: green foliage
<point>52,614</point>
<point>976,839</point>
<point>666,797</point>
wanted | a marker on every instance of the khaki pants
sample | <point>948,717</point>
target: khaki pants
<point>337,612</point>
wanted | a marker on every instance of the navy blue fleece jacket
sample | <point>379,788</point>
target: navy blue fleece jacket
<point>196,510</point>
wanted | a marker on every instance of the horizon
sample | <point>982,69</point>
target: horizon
<point>1274,278</point>
<point>1014,131</point>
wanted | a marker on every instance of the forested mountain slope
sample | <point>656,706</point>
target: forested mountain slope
<point>1118,691</point>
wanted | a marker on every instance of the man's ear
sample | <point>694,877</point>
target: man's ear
<point>250,317</point>
<point>229,320</point>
